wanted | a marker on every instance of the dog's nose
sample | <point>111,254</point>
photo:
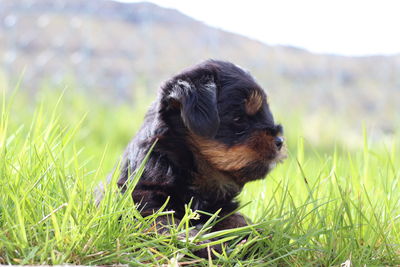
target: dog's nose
<point>279,142</point>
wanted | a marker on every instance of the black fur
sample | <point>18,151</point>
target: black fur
<point>208,101</point>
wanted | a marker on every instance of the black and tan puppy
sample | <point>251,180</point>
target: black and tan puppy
<point>215,133</point>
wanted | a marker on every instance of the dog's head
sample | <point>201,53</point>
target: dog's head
<point>227,119</point>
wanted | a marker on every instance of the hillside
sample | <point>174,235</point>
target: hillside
<point>114,49</point>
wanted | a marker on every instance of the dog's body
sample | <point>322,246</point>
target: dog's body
<point>214,133</point>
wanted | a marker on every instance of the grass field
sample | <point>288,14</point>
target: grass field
<point>324,206</point>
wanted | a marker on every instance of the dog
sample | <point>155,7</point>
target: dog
<point>213,132</point>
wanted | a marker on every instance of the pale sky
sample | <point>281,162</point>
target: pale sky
<point>347,27</point>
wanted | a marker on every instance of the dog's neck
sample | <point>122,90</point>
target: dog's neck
<point>212,183</point>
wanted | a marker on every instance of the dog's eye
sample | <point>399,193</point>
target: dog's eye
<point>239,125</point>
<point>238,119</point>
<point>239,122</point>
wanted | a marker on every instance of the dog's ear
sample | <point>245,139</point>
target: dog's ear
<point>198,103</point>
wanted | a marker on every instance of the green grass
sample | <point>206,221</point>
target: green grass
<point>318,208</point>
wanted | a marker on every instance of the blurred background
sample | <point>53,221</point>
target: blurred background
<point>327,66</point>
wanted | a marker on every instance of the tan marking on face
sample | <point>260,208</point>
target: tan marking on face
<point>259,147</point>
<point>263,144</point>
<point>225,158</point>
<point>219,164</point>
<point>254,102</point>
